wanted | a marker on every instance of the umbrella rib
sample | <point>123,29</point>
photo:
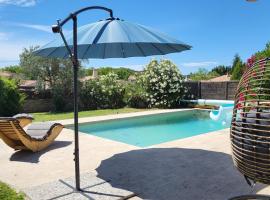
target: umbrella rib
<point>137,44</point>
<point>86,51</point>
<point>52,51</point>
<point>104,50</point>
<point>126,32</point>
<point>151,33</point>
<point>66,55</point>
<point>173,48</point>
<point>99,34</point>
<point>159,50</point>
<point>122,49</point>
<point>88,47</point>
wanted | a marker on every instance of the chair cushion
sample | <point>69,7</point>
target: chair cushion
<point>23,115</point>
<point>40,130</point>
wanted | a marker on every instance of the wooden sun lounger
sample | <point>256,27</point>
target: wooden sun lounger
<point>37,136</point>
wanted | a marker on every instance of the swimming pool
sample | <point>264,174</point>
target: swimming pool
<point>149,130</point>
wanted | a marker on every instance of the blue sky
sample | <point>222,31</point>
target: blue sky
<point>217,29</point>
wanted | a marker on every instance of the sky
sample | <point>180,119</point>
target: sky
<point>216,29</point>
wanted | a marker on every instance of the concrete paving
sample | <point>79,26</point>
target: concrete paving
<point>93,188</point>
<point>198,167</point>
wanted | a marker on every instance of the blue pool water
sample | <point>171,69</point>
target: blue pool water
<point>227,105</point>
<point>154,129</point>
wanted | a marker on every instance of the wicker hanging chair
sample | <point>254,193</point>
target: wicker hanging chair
<point>250,128</point>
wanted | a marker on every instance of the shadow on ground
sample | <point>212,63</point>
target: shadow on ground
<point>175,173</point>
<point>31,157</point>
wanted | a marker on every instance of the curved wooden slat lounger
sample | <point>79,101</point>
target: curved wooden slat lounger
<point>24,119</point>
<point>37,136</point>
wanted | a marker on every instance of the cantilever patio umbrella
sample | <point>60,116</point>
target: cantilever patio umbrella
<point>110,38</point>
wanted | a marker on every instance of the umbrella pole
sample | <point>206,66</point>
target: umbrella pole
<point>74,57</point>
<point>75,93</point>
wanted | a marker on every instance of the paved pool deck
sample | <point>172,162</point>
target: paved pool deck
<point>199,167</point>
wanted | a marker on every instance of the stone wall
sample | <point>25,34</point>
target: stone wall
<point>37,105</point>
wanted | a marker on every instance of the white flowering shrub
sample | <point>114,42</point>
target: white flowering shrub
<point>163,84</point>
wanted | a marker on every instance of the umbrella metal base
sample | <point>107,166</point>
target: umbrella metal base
<point>251,197</point>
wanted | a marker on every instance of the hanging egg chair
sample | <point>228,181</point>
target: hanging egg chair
<point>250,126</point>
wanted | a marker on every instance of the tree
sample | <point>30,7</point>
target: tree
<point>11,99</point>
<point>203,74</point>
<point>48,70</point>
<point>16,69</point>
<point>265,53</point>
<point>52,73</point>
<point>238,68</point>
<point>222,70</point>
<point>122,72</point>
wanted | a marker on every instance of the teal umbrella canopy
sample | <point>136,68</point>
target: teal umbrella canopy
<point>114,38</point>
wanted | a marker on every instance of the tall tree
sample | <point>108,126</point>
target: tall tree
<point>238,68</point>
<point>222,70</point>
<point>264,53</point>
<point>122,72</point>
<point>13,69</point>
<point>50,71</point>
<point>203,74</point>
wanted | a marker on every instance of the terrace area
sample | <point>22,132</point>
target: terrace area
<point>191,168</point>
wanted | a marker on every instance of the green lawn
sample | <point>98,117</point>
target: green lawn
<point>7,193</point>
<point>47,116</point>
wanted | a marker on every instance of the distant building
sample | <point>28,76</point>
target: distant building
<point>94,76</point>
<point>186,77</point>
<point>95,73</point>
<point>5,74</point>
<point>86,78</point>
<point>132,78</point>
<point>223,78</point>
<point>27,85</point>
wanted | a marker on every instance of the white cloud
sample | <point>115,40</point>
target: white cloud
<point>4,63</point>
<point>10,50</point>
<point>22,3</point>
<point>3,36</point>
<point>200,64</point>
<point>38,27</point>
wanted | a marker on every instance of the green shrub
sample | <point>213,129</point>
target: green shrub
<point>107,92</point>
<point>91,96</point>
<point>137,101</point>
<point>11,100</point>
<point>59,98</point>
<point>7,193</point>
<point>135,95</point>
<point>113,91</point>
